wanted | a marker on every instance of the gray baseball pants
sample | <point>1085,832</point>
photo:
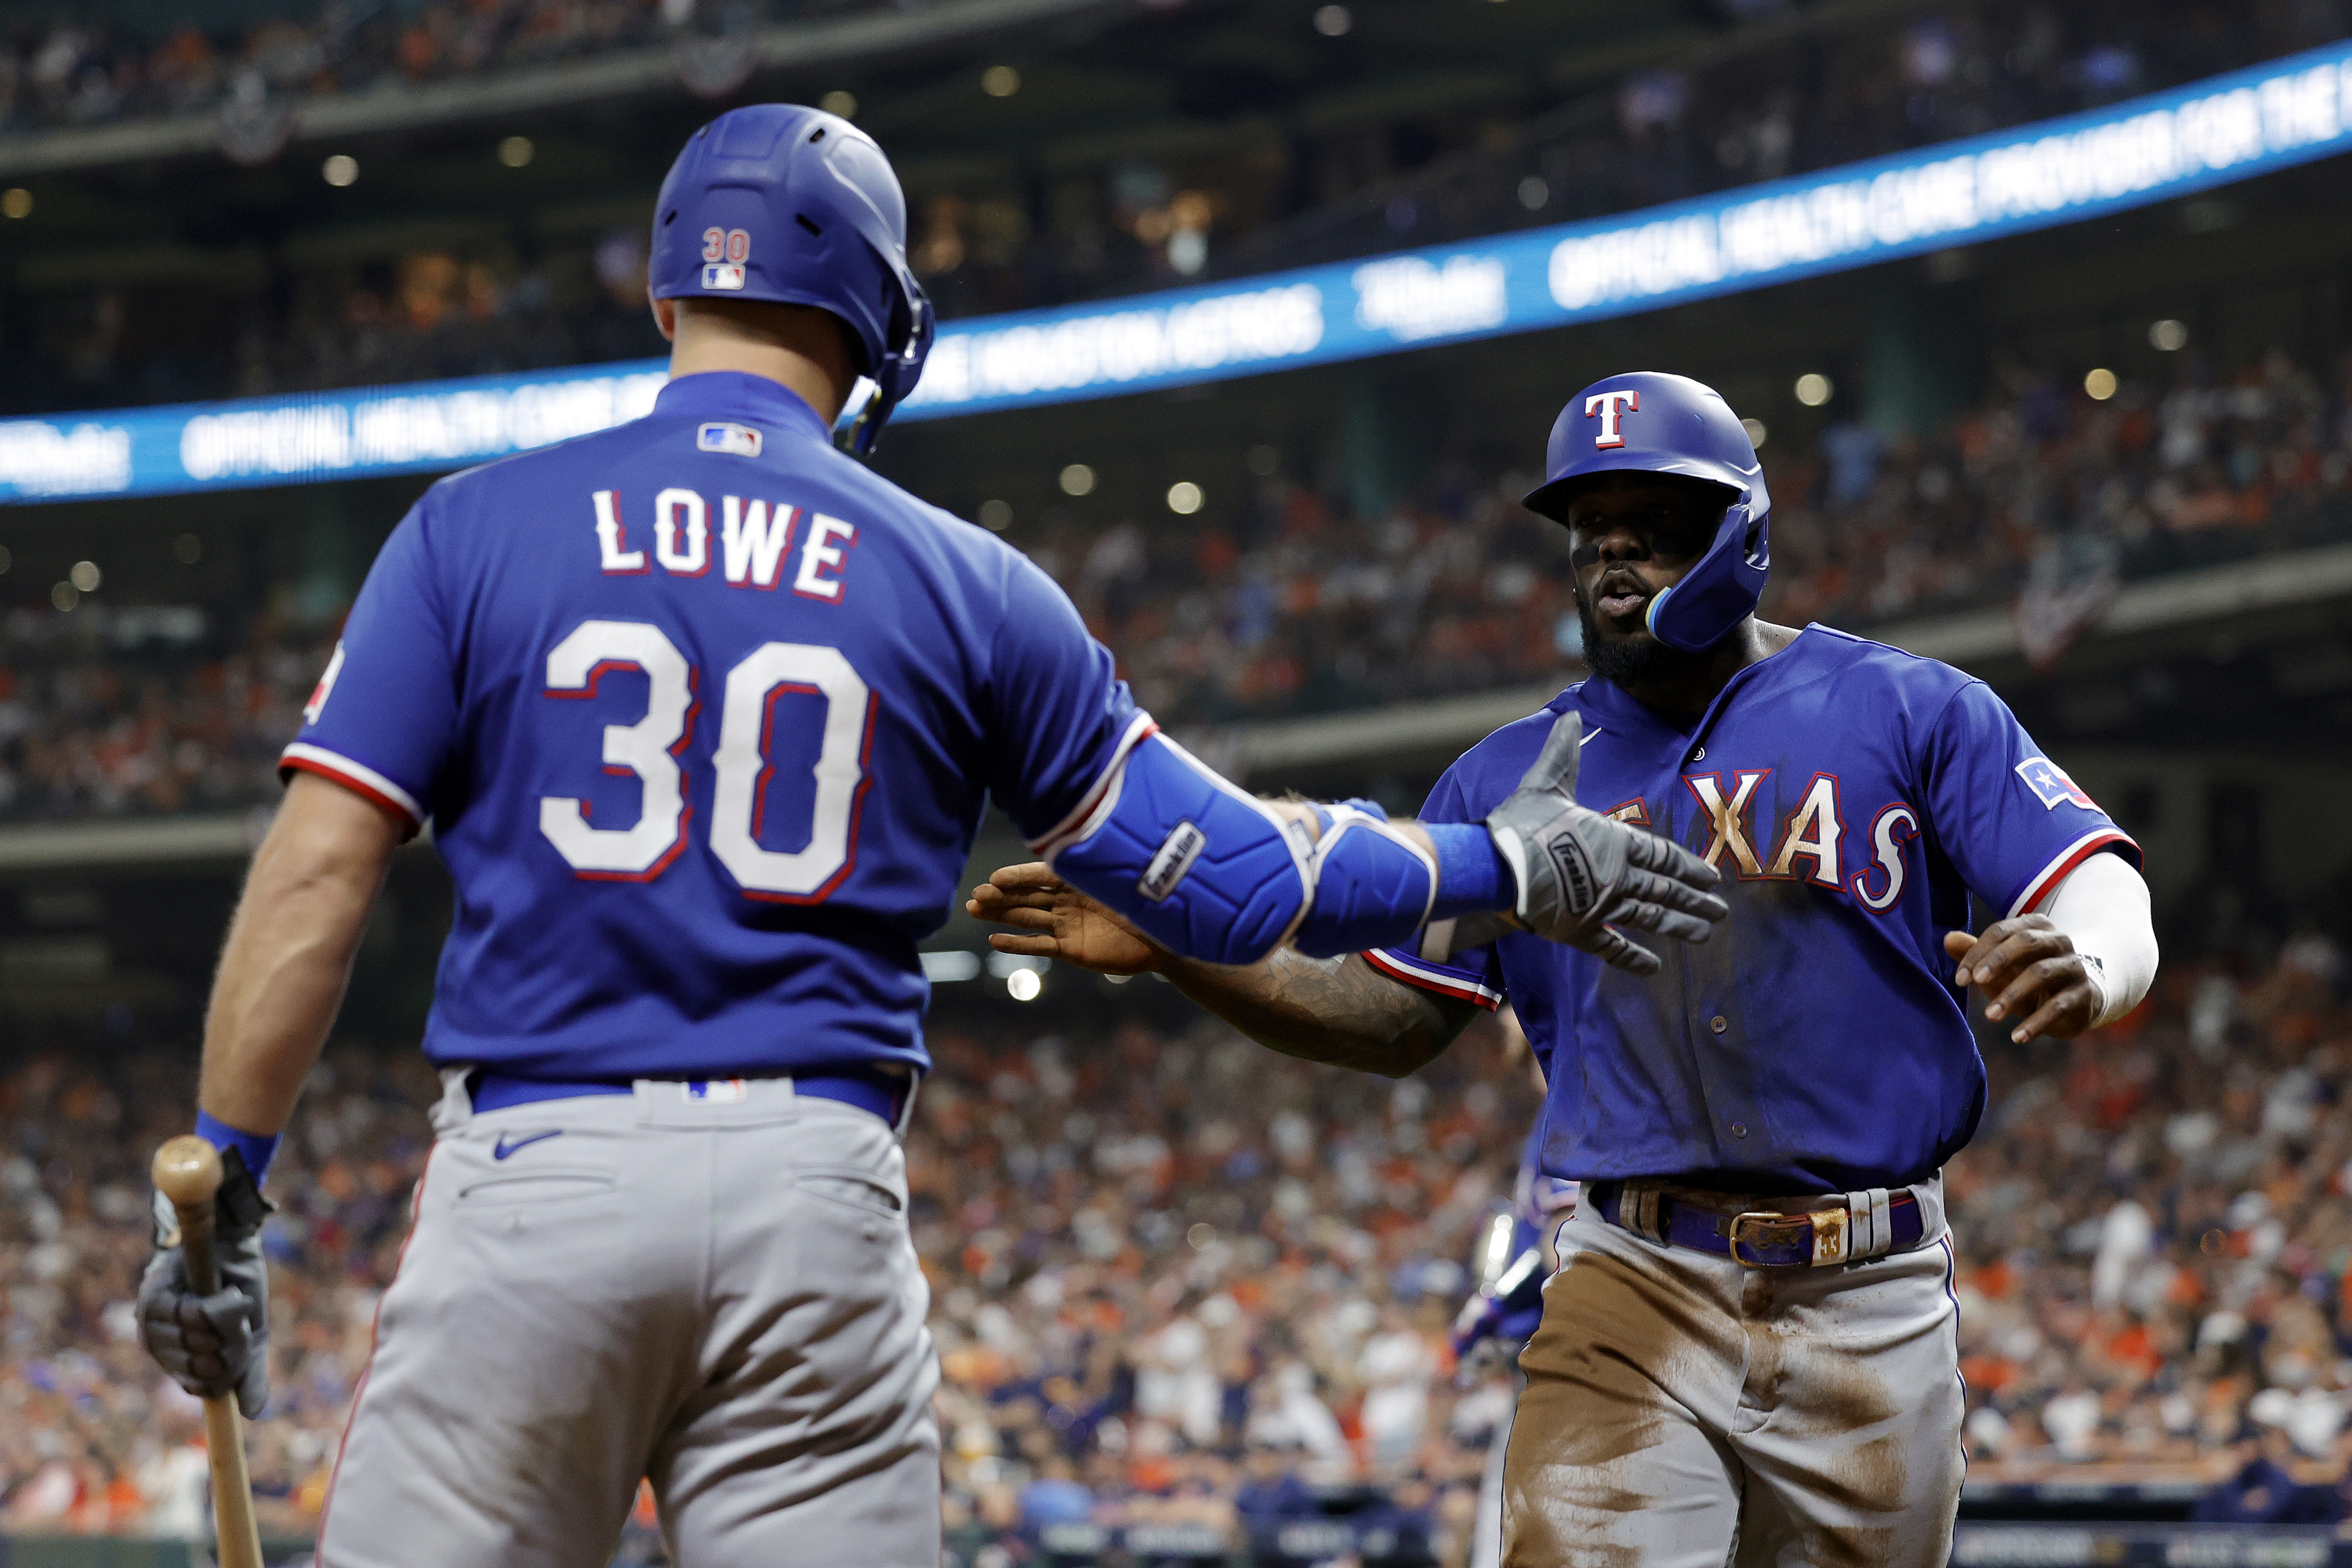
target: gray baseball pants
<point>1685,1411</point>
<point>718,1294</point>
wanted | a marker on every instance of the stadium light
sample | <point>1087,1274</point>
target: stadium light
<point>839,102</point>
<point>65,596</point>
<point>1534,193</point>
<point>187,549</point>
<point>16,202</point>
<point>996,516</point>
<point>1813,389</point>
<point>86,576</point>
<point>1184,498</point>
<point>516,151</point>
<point>1023,984</point>
<point>2168,336</point>
<point>1077,479</point>
<point>1333,21</point>
<point>1756,432</point>
<point>999,81</point>
<point>2100,384</point>
<point>6,559</point>
<point>340,170</point>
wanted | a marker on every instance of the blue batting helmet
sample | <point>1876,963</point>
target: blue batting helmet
<point>1651,423</point>
<point>797,206</point>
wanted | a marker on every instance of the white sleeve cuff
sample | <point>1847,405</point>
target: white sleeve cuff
<point>2103,908</point>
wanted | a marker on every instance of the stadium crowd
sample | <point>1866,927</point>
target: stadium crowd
<point>1281,602</point>
<point>1180,1285</point>
<point>512,304</point>
<point>79,70</point>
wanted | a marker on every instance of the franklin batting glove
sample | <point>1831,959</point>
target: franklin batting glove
<point>218,1343</point>
<point>1580,873</point>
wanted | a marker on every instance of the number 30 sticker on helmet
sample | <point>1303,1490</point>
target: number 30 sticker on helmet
<point>796,206</point>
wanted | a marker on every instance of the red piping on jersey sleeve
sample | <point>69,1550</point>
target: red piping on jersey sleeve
<point>1072,828</point>
<point>1433,979</point>
<point>2074,854</point>
<point>357,777</point>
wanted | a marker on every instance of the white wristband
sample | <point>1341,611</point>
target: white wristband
<point>2103,908</point>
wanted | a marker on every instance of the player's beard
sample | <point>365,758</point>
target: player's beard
<point>1628,661</point>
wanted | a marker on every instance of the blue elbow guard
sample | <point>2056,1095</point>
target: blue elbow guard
<point>1372,887</point>
<point>1198,867</point>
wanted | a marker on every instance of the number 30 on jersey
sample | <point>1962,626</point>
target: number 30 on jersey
<point>650,747</point>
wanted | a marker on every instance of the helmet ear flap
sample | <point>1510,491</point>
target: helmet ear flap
<point>1756,541</point>
<point>1722,588</point>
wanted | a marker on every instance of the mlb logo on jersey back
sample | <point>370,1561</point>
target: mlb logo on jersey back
<point>2049,780</point>
<point>740,440</point>
<point>722,275</point>
<point>716,1090</point>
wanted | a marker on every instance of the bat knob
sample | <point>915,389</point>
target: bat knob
<point>187,1172</point>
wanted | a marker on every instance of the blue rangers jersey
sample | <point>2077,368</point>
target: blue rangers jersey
<point>704,715</point>
<point>1853,796</point>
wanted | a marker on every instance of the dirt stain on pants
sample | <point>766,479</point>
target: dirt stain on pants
<point>1682,1412</point>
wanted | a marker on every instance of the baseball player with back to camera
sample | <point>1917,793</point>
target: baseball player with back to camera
<point>704,715</point>
<point>1748,1352</point>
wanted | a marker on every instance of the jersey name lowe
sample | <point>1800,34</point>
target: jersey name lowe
<point>705,715</point>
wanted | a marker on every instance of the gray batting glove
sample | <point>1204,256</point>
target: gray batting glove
<point>218,1343</point>
<point>1580,873</point>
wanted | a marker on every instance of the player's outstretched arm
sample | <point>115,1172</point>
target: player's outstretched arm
<point>1209,871</point>
<point>289,951</point>
<point>1339,1010</point>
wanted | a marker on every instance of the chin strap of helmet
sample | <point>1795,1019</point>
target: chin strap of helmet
<point>893,379</point>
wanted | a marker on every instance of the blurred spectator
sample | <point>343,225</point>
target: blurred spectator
<point>2264,1491</point>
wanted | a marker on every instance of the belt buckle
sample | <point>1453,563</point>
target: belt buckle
<point>1789,1235</point>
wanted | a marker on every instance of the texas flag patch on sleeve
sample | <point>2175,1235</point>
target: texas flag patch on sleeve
<point>2049,780</point>
<point>740,440</point>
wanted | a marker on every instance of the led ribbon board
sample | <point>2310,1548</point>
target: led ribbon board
<point>2150,148</point>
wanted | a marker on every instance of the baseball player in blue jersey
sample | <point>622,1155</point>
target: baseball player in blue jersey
<point>1748,1351</point>
<point>704,715</point>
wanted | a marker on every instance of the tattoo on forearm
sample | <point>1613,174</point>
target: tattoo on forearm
<point>1337,1010</point>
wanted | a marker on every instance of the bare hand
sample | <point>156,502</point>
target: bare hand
<point>2028,968</point>
<point>1068,925</point>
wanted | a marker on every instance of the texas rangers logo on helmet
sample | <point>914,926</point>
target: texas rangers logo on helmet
<point>1609,407</point>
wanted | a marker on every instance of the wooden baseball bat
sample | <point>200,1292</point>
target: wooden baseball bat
<point>187,1172</point>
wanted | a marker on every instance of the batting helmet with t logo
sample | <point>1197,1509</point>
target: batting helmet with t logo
<point>1651,423</point>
